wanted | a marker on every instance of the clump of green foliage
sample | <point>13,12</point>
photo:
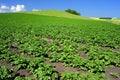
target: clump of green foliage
<point>77,76</point>
<point>72,11</point>
<point>114,74</point>
<point>105,18</point>
<point>5,73</point>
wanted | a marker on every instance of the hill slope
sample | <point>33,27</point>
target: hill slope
<point>114,20</point>
<point>56,13</point>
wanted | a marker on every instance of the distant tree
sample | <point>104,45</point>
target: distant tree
<point>72,11</point>
<point>105,18</point>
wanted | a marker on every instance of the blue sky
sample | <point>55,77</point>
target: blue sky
<point>89,8</point>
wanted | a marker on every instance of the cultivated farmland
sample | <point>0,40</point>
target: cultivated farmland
<point>34,46</point>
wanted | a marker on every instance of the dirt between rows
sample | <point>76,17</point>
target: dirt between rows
<point>113,70</point>
<point>16,72</point>
<point>59,67</point>
<point>82,54</point>
<point>16,51</point>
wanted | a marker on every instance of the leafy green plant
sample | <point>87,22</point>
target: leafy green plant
<point>45,72</point>
<point>35,63</point>
<point>21,62</point>
<point>114,74</point>
<point>5,73</point>
<point>22,78</point>
<point>88,76</point>
<point>70,76</point>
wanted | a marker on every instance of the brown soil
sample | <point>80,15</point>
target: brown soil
<point>82,54</point>
<point>14,45</point>
<point>82,44</point>
<point>16,51</point>
<point>16,72</point>
<point>60,45</point>
<point>23,72</point>
<point>8,65</point>
<point>114,70</point>
<point>49,53</point>
<point>117,50</point>
<point>49,40</point>
<point>60,68</point>
<point>107,48</point>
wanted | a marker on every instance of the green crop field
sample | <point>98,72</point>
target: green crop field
<point>49,46</point>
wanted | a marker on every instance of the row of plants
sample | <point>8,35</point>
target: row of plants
<point>15,59</point>
<point>37,67</point>
<point>65,51</point>
<point>96,62</point>
<point>77,76</point>
<point>6,74</point>
<point>41,70</point>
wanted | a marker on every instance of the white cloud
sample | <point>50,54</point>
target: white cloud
<point>20,8</point>
<point>4,8</point>
<point>13,8</point>
<point>17,8</point>
<point>35,10</point>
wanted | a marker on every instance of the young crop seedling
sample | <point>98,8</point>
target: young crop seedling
<point>114,74</point>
